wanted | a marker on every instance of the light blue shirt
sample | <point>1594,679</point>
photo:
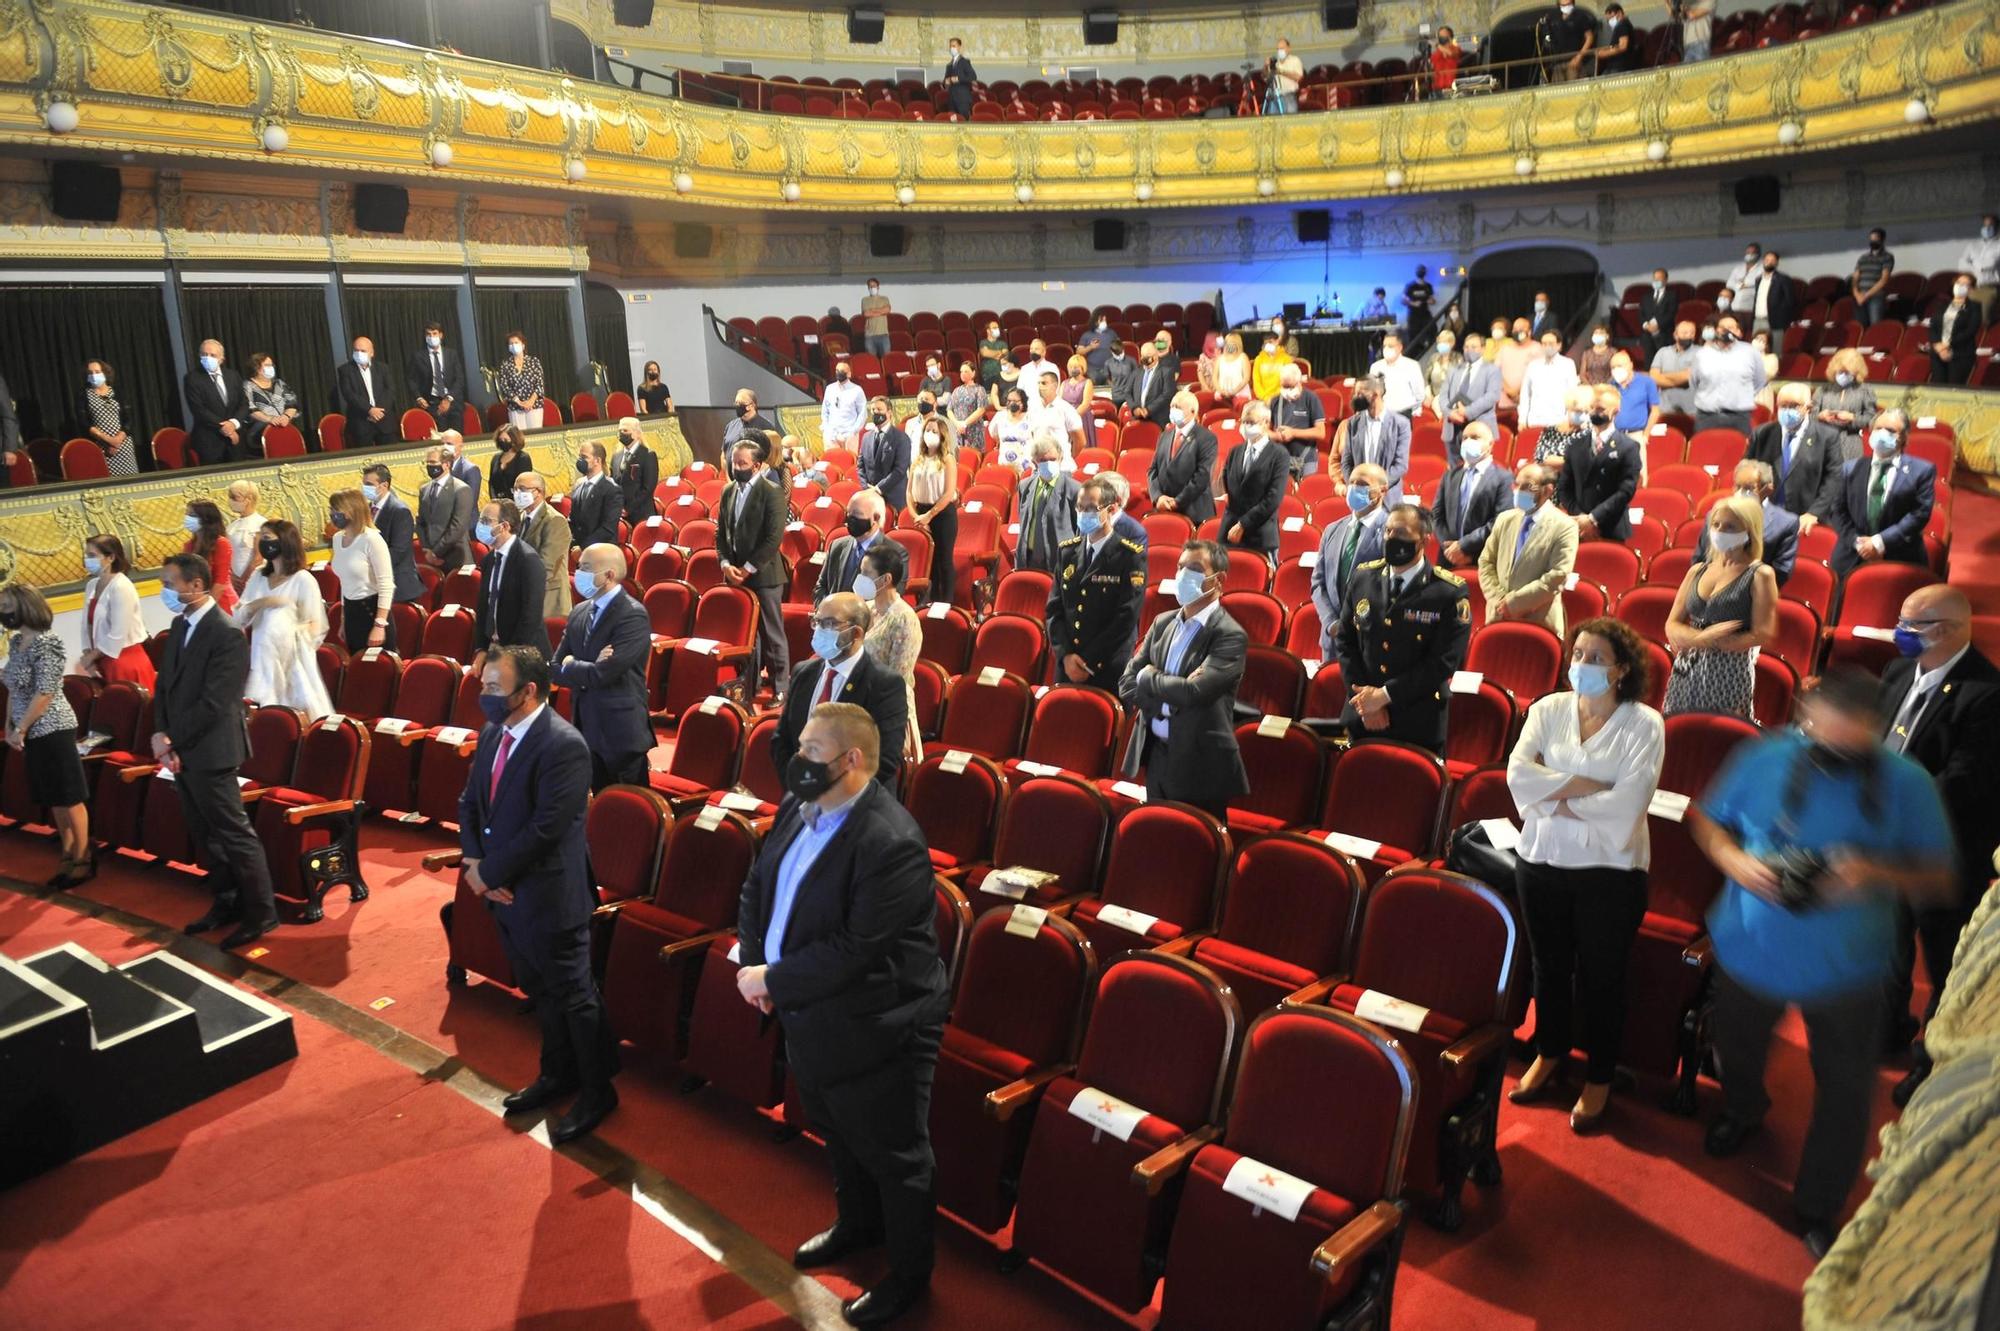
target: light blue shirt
<point>840,412</point>
<point>1176,651</point>
<point>819,827</point>
<point>601,600</point>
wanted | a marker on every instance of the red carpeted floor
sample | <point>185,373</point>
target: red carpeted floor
<point>391,1215</point>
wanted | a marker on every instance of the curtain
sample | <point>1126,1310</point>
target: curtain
<point>287,323</point>
<point>604,325</point>
<point>1511,296</point>
<point>399,20</point>
<point>541,315</point>
<point>50,331</point>
<point>394,318</point>
<point>509,31</point>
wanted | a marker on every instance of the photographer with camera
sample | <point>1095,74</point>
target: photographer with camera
<point>1564,39</point>
<point>1819,831</point>
<point>1283,73</point>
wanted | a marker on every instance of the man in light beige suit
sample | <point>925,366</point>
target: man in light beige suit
<point>547,530</point>
<point>1521,573</point>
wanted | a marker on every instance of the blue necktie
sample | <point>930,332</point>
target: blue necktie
<point>1521,541</point>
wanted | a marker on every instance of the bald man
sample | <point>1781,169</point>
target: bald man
<point>602,660</point>
<point>1942,701</point>
<point>368,398</point>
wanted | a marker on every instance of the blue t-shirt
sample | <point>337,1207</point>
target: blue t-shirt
<point>1637,400</point>
<point>1802,956</point>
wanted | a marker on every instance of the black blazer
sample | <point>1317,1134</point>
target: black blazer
<point>198,698</point>
<point>1156,395</point>
<point>1813,484</point>
<point>528,835</point>
<point>500,476</point>
<point>641,478</point>
<point>1186,477</point>
<point>884,463</point>
<point>1467,518</point>
<point>513,618</point>
<point>1255,493</point>
<point>751,536</point>
<point>837,570</point>
<point>869,685</point>
<point>1964,332</point>
<point>594,510</point>
<point>1202,763</point>
<point>399,528</point>
<point>1664,310</point>
<point>205,439</point>
<point>1956,737</point>
<point>1781,308</point>
<point>353,399</point>
<point>417,373</point>
<point>1603,490</point>
<point>858,968</point>
<point>608,694</point>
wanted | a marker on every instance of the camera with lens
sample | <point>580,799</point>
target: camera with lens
<point>1798,870</point>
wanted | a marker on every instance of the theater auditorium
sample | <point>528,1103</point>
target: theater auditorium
<point>1293,667</point>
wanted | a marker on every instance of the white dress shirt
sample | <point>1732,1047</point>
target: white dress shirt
<point>1545,391</point>
<point>1403,387</point>
<point>842,410</point>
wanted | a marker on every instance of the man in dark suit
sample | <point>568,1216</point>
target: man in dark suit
<point>749,525</point>
<point>367,398</point>
<point>866,514</point>
<point>445,512</point>
<point>1772,300</point>
<point>1153,398</point>
<point>1345,546</point>
<point>1471,393</point>
<point>437,373</point>
<point>1600,474</point>
<point>959,76</point>
<point>841,672</point>
<point>1544,319</point>
<point>1374,434</point>
<point>520,831</point>
<point>837,939</point>
<point>201,736</point>
<point>1046,505</point>
<point>1941,698</point>
<point>1254,479</point>
<point>10,434</point>
<point>1181,687</point>
<point>455,461</point>
<point>511,581</point>
<point>1402,637</point>
<point>636,468</point>
<point>1659,310</point>
<point>602,661</point>
<point>883,461</point>
<point>1803,455</point>
<point>1781,530</point>
<point>215,400</point>
<point>392,517</point>
<point>1955,335</point>
<point>1469,496</point>
<point>1884,501</point>
<point>1181,476</point>
<point>1093,610</point>
<point>595,501</point>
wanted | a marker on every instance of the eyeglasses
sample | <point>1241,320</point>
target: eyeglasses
<point>831,625</point>
<point>1922,623</point>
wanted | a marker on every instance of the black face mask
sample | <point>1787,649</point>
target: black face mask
<point>807,779</point>
<point>923,409</point>
<point>625,441</point>
<point>747,411</point>
<point>433,470</point>
<point>583,466</point>
<point>1600,419</point>
<point>1683,342</point>
<point>1398,550</point>
<point>858,527</point>
<point>10,621</point>
<point>1875,245</point>
<point>268,548</point>
<point>1362,403</point>
<point>880,419</point>
<point>842,375</point>
<point>339,519</point>
<point>1017,404</point>
<point>743,475</point>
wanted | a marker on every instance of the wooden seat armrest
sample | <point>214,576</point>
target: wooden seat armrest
<point>442,859</point>
<point>1002,1103</point>
<point>138,772</point>
<point>1154,1172</point>
<point>405,738</point>
<point>727,653</point>
<point>251,794</point>
<point>303,812</point>
<point>1356,1239</point>
<point>1315,992</point>
<point>1476,1046</point>
<point>1699,953</point>
<point>468,745</point>
<point>673,952</point>
<point>1184,945</point>
<point>1064,905</point>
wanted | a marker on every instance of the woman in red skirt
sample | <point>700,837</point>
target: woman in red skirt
<point>114,637</point>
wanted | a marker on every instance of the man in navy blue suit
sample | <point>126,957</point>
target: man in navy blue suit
<point>1474,492</point>
<point>602,661</point>
<point>520,827</point>
<point>1885,501</point>
<point>1754,481</point>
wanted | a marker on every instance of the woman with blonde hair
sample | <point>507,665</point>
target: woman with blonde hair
<point>1232,372</point>
<point>1847,403</point>
<point>244,524</point>
<point>1725,612</point>
<point>1077,390</point>
<point>933,495</point>
<point>114,635</point>
<point>367,580</point>
<point>284,614</point>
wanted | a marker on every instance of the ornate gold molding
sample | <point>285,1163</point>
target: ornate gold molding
<point>179,84</point>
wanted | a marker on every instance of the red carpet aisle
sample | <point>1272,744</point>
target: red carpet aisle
<point>1634,1229</point>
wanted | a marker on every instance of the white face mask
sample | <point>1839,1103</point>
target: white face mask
<point>1391,355</point>
<point>1961,290</point>
<point>1619,374</point>
<point>1728,542</point>
<point>514,348</point>
<point>1598,339</point>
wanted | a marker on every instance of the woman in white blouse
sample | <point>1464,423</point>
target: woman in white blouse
<point>244,524</point>
<point>114,636</point>
<point>367,583</point>
<point>1010,431</point>
<point>282,609</point>
<point>1583,774</point>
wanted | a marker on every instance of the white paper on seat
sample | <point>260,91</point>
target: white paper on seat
<point>1003,884</point>
<point>659,548</point>
<point>452,735</point>
<point>332,722</point>
<point>1668,804</point>
<point>1274,727</point>
<point>1387,1010</point>
<point>991,675</point>
<point>710,817</point>
<point>450,609</point>
<point>1013,529</point>
<point>468,568</point>
<point>1292,524</point>
<point>1131,790</point>
<point>705,646</point>
<point>818,557</point>
<point>1131,921</point>
<point>163,775</point>
<point>1658,432</point>
<point>736,954</point>
<point>391,725</point>
<point>1569,583</point>
<point>372,654</point>
<point>91,741</point>
<point>655,521</point>
<point>1267,1188</point>
<point>824,501</point>
<point>242,781</point>
<point>1312,668</point>
<point>739,801</point>
<point>1466,681</point>
<point>685,501</point>
<point>1092,468</point>
<point>1359,848</point>
<point>1038,769</point>
<point>1926,422</point>
<point>318,566</point>
<point>1309,559</point>
<point>955,761</point>
<point>712,704</point>
<point>1638,514</point>
<point>938,610</point>
<point>975,505</point>
<point>1107,1113</point>
<point>1502,833</point>
<point>1026,921</point>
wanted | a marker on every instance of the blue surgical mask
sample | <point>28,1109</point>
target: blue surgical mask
<point>826,643</point>
<point>586,583</point>
<point>171,601</point>
<point>1177,416</point>
<point>496,707</point>
<point>191,524</point>
<point>95,379</point>
<point>433,341</point>
<point>1883,442</point>
<point>864,587</point>
<point>1844,379</point>
<point>1789,417</point>
<point>93,565</point>
<point>370,491</point>
<point>1049,470</point>
<point>1590,681</point>
<point>1910,642</point>
<point>1190,586</point>
<point>208,363</point>
<point>1525,500</point>
<point>1358,497</point>
<point>361,358</point>
<point>1471,450</point>
<point>484,531</point>
<point>1089,523</point>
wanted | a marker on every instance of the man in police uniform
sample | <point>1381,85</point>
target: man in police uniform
<point>1094,605</point>
<point>1402,637</point>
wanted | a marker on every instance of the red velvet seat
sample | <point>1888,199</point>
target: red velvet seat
<point>947,636</point>
<point>448,633</point>
<point>424,697</point>
<point>1381,804</point>
<point>1524,659</point>
<point>458,587</point>
<point>1167,863</point>
<point>1647,608</point>
<point>1261,615</point>
<point>986,712</point>
<point>1024,592</point>
<point>1055,824</point>
<point>669,603</point>
<point>1481,727</point>
<point>957,798</point>
<point>708,753</point>
<point>1019,1015</point>
<point>1288,919</point>
<point>724,633</point>
<point>444,759</point>
<point>1014,643</point>
<point>1105,1159</point>
<point>309,828</point>
<point>1073,729</point>
<point>1614,566</point>
<point>1274,683</point>
<point>1286,765</point>
<point>274,747</point>
<point>119,730</point>
<point>1318,1128</point>
<point>368,686</point>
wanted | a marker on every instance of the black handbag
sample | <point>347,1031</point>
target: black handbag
<point>1471,852</point>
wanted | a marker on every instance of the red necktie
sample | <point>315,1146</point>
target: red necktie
<point>500,762</point>
<point>826,685</point>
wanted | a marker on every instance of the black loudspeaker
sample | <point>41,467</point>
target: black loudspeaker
<point>864,26</point>
<point>693,240</point>
<point>83,191</point>
<point>1315,225</point>
<point>383,208</point>
<point>632,13</point>
<point>1109,233</point>
<point>1100,27</point>
<point>886,242</point>
<point>1341,15</point>
<point>1757,194</point>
